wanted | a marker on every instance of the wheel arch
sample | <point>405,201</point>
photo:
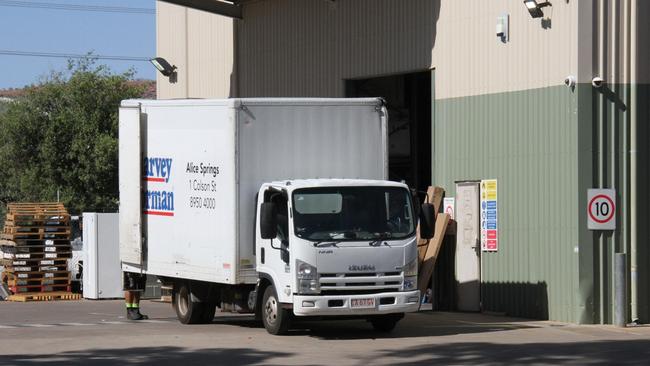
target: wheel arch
<point>265,280</point>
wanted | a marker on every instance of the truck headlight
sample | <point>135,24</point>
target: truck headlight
<point>307,278</point>
<point>410,276</point>
<point>411,269</point>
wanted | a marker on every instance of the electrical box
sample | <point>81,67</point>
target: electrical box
<point>102,271</point>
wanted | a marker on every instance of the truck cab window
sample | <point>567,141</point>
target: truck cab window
<point>280,202</point>
<point>353,213</point>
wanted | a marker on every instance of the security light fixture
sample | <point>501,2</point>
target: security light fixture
<point>535,8</point>
<point>163,66</point>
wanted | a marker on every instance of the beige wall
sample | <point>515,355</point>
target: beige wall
<point>309,47</point>
<point>200,44</point>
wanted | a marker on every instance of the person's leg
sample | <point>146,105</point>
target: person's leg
<point>128,298</point>
<point>134,284</point>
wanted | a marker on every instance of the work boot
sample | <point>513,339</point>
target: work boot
<point>134,314</point>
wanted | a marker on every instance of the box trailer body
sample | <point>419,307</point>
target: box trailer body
<point>195,175</point>
<point>203,162</point>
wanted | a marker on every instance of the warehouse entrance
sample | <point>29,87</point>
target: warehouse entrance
<point>408,100</point>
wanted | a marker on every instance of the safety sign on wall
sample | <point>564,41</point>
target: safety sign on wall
<point>449,205</point>
<point>601,209</point>
<point>489,216</point>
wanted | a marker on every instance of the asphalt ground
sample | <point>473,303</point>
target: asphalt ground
<point>96,333</point>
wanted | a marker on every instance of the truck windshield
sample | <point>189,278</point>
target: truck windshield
<point>353,213</point>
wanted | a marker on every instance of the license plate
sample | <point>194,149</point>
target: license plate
<point>362,303</point>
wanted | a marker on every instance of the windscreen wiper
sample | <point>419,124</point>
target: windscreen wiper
<point>326,243</point>
<point>381,237</point>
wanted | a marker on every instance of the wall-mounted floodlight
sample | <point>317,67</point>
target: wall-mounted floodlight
<point>163,66</point>
<point>535,8</point>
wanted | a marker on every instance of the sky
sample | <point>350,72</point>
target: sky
<point>46,30</point>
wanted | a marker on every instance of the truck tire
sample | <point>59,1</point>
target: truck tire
<point>209,310</point>
<point>385,323</point>
<point>275,318</point>
<point>187,311</point>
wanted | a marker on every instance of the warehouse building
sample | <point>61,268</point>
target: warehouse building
<point>476,90</point>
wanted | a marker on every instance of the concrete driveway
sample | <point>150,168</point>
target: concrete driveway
<point>96,332</point>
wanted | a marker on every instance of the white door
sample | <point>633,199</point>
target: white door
<point>468,267</point>
<point>130,178</point>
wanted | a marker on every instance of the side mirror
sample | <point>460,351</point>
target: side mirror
<point>427,221</point>
<point>268,220</point>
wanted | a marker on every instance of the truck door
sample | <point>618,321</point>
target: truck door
<point>130,181</point>
<point>275,255</point>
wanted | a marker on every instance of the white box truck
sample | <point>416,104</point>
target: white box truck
<point>275,206</point>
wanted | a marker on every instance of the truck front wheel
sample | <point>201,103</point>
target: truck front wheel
<point>187,311</point>
<point>275,318</point>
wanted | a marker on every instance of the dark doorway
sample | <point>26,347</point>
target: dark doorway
<point>408,100</point>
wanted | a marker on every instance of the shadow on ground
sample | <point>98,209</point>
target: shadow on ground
<point>159,356</point>
<point>631,352</point>
<point>423,324</point>
<point>478,353</point>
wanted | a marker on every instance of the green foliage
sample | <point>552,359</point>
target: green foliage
<point>61,136</point>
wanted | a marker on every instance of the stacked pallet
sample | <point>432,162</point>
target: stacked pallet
<point>35,247</point>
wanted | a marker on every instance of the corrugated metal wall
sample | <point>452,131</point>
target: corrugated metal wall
<point>308,48</point>
<point>201,45</point>
<point>526,140</point>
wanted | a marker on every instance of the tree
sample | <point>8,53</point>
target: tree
<point>60,138</point>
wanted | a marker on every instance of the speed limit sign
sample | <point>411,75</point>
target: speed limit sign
<point>601,209</point>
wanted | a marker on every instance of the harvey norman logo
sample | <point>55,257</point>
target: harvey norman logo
<point>159,199</point>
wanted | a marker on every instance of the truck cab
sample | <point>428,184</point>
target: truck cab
<point>336,247</point>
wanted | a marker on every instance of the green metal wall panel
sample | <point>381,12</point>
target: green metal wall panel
<point>528,141</point>
<point>597,259</point>
<point>542,146</point>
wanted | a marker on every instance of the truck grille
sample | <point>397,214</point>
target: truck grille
<point>360,283</point>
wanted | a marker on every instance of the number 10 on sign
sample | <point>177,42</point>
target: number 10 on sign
<point>601,209</point>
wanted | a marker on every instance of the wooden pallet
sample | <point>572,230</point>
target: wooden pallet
<point>35,255</point>
<point>32,241</point>
<point>48,255</point>
<point>39,282</point>
<point>34,262</point>
<point>11,229</point>
<point>40,235</point>
<point>32,214</point>
<point>19,289</point>
<point>40,208</point>
<point>7,274</point>
<point>65,247</point>
<point>44,296</point>
<point>37,268</point>
<point>31,205</point>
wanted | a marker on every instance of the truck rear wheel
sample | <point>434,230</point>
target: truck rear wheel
<point>385,323</point>
<point>187,311</point>
<point>275,318</point>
